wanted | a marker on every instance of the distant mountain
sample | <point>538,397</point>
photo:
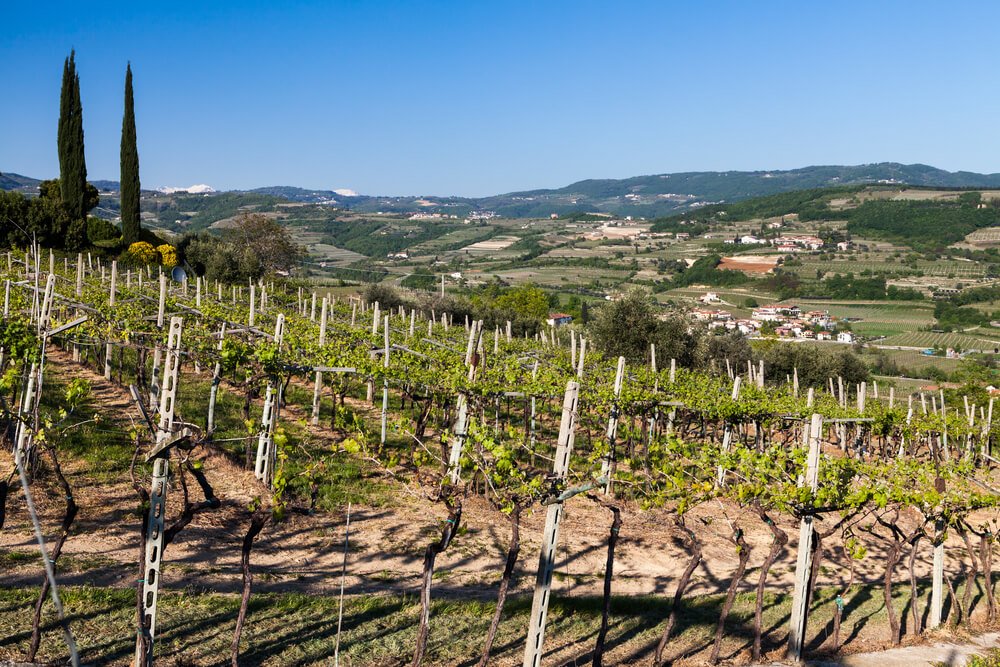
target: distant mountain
<point>640,196</point>
<point>295,194</point>
<point>106,186</point>
<point>9,181</point>
<point>661,194</point>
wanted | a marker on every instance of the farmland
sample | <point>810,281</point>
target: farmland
<point>384,442</point>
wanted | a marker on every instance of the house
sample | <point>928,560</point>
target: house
<point>681,236</point>
<point>801,242</point>
<point>558,319</point>
<point>767,314</point>
<point>845,337</point>
<point>824,335</point>
<point>709,297</point>
<point>844,246</point>
<point>788,310</point>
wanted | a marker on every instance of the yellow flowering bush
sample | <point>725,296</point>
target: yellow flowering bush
<point>143,253</point>
<point>168,255</point>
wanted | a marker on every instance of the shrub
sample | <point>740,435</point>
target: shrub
<point>168,255</point>
<point>143,253</point>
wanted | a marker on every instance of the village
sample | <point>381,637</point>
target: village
<point>781,320</point>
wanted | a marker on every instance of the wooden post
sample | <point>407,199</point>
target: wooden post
<point>803,564</point>
<point>547,559</point>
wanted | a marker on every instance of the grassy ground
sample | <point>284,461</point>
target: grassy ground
<point>195,627</point>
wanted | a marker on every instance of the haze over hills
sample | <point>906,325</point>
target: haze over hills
<point>641,196</point>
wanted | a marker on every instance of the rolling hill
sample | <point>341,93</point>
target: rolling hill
<point>640,196</point>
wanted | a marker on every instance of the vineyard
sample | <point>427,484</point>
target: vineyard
<point>269,404</point>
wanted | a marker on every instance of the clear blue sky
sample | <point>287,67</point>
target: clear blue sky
<point>476,98</point>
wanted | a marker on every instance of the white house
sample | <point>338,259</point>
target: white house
<point>709,297</point>
<point>558,319</point>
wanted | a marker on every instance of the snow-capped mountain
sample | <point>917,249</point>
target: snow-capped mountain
<point>199,189</point>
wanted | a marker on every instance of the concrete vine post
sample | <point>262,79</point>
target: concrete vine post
<point>533,649</point>
<point>318,384</point>
<point>213,392</point>
<point>803,563</point>
<point>608,462</point>
<point>155,525</point>
<point>385,385</point>
<point>462,408</point>
<point>727,435</point>
<point>264,465</point>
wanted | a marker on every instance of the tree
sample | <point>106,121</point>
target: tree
<point>628,326</point>
<point>131,224</point>
<point>526,301</point>
<point>72,163</point>
<point>261,246</point>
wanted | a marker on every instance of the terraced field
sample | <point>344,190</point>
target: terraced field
<point>940,268</point>
<point>959,341</point>
<point>914,362</point>
<point>561,277</point>
<point>878,318</point>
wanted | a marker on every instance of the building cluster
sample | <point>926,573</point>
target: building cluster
<point>432,216</point>
<point>479,216</point>
<point>786,243</point>
<point>789,321</point>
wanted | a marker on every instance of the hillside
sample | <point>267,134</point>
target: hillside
<point>640,196</point>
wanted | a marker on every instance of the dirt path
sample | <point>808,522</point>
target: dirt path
<point>928,655</point>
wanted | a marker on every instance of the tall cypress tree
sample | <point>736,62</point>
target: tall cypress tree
<point>130,168</point>
<point>72,164</point>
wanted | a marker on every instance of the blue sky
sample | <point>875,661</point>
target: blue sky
<point>477,98</point>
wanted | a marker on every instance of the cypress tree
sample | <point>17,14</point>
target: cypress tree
<point>72,165</point>
<point>130,168</point>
